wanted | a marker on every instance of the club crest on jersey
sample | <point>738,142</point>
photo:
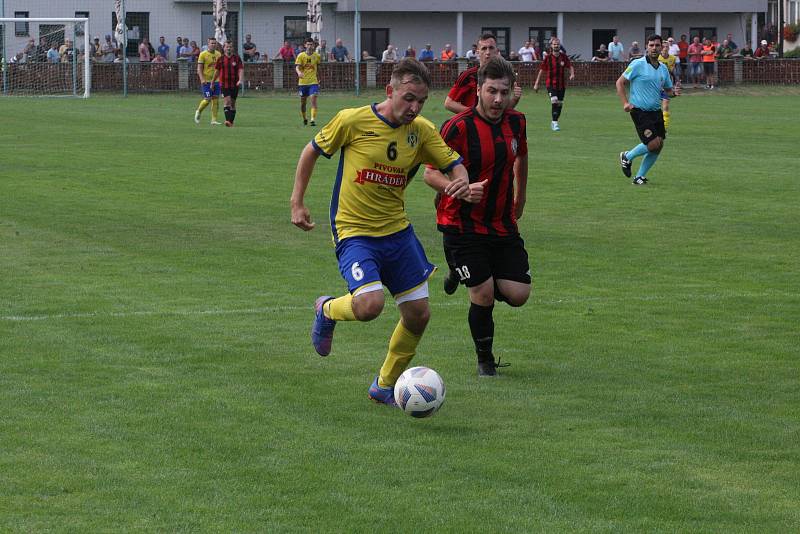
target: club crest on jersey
<point>412,139</point>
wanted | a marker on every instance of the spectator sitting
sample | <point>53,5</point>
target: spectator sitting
<point>163,48</point>
<point>601,54</point>
<point>322,50</point>
<point>724,51</point>
<point>426,54</point>
<point>513,56</point>
<point>52,54</point>
<point>339,52</point>
<point>30,50</point>
<point>410,52</point>
<point>472,53</point>
<point>734,47</point>
<point>448,54</point>
<point>366,57</point>
<point>389,55</point>
<point>527,53</point>
<point>40,54</point>
<point>635,52</point>
<point>762,52</point>
<point>616,50</point>
<point>286,52</point>
<point>158,58</point>
<point>144,51</point>
<point>118,58</point>
<point>19,57</point>
<point>251,53</point>
<point>747,51</point>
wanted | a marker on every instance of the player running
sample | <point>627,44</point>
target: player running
<point>555,63</point>
<point>306,67</point>
<point>209,85</point>
<point>230,69</point>
<point>648,78</point>
<point>381,147</point>
<point>482,239</point>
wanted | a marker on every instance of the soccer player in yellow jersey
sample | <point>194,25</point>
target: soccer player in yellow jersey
<point>209,82</point>
<point>308,82</point>
<point>381,146</point>
<point>669,60</point>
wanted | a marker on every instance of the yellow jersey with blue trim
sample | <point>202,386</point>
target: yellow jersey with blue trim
<point>377,161</point>
<point>308,66</point>
<point>208,59</point>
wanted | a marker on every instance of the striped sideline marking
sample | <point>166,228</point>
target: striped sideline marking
<point>454,302</point>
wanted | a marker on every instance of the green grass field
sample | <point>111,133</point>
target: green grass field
<point>156,372</point>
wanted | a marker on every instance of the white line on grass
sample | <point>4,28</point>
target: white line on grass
<point>454,302</point>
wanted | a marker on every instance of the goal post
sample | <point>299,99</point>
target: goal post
<point>45,57</point>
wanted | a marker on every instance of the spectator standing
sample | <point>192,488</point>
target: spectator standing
<point>230,69</point>
<point>178,48</point>
<point>725,51</point>
<point>674,50</point>
<point>616,50</point>
<point>555,64</point>
<point>109,50</point>
<point>683,57</point>
<point>163,48</point>
<point>734,47</point>
<point>747,51</point>
<point>250,50</point>
<point>527,53</point>
<point>339,52</point>
<point>144,51</point>
<point>762,52</point>
<point>322,50</point>
<point>30,51</point>
<point>195,51</point>
<point>447,53</point>
<point>426,54</point>
<point>187,52</point>
<point>40,54</point>
<point>410,52</point>
<point>286,52</point>
<point>389,55</point>
<point>695,54</point>
<point>635,52</point>
<point>66,52</point>
<point>52,54</point>
<point>709,62</point>
<point>472,53</point>
<point>601,54</point>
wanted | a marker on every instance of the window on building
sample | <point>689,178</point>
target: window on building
<point>794,12</point>
<point>231,28</point>
<point>294,30</point>
<point>22,29</point>
<point>702,33</point>
<point>138,24</point>
<point>503,38</point>
<point>666,32</point>
<point>374,40</point>
<point>603,36</point>
<point>541,35</point>
<point>79,27</point>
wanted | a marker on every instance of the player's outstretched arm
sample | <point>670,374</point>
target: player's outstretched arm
<point>621,93</point>
<point>536,83</point>
<point>301,217</point>
<point>520,184</point>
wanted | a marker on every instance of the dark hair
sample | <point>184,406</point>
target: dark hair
<point>409,66</point>
<point>655,37</point>
<point>487,35</point>
<point>496,68</point>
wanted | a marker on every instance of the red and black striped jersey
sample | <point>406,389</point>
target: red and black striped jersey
<point>465,90</point>
<point>488,151</point>
<point>556,66</point>
<point>228,68</point>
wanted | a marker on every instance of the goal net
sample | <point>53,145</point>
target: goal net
<point>45,57</point>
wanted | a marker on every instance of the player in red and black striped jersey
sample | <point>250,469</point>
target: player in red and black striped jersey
<point>481,240</point>
<point>555,63</point>
<point>230,69</point>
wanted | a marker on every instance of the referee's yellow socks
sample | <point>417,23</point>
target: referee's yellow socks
<point>666,120</point>
<point>402,348</point>
<point>340,309</point>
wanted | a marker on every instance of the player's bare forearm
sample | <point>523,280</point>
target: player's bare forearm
<point>536,83</point>
<point>623,97</point>
<point>520,185</point>
<point>200,74</point>
<point>301,217</point>
<point>435,179</point>
<point>453,106</point>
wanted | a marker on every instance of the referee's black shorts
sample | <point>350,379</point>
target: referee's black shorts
<point>476,258</point>
<point>649,124</point>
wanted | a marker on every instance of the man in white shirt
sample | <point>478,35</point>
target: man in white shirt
<point>616,49</point>
<point>389,55</point>
<point>527,53</point>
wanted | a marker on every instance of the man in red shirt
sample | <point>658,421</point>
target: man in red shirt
<point>230,69</point>
<point>286,52</point>
<point>695,53</point>
<point>555,63</point>
<point>482,239</point>
<point>683,55</point>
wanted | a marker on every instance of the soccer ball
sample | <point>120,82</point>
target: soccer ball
<point>419,392</point>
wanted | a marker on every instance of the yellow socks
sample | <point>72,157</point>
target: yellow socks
<point>402,348</point>
<point>313,114</point>
<point>203,105</point>
<point>666,120</point>
<point>340,309</point>
<point>214,109</point>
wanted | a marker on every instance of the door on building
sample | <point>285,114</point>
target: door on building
<point>374,40</point>
<point>138,24</point>
<point>602,37</point>
<point>503,39</point>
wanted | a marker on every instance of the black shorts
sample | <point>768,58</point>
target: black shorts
<point>556,93</point>
<point>476,258</point>
<point>233,92</point>
<point>649,124</point>
<point>708,67</point>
